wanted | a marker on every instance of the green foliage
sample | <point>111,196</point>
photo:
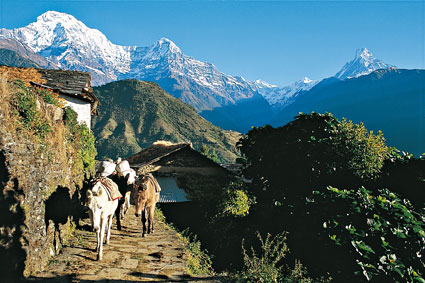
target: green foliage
<point>83,140</point>
<point>210,153</point>
<point>267,265</point>
<point>381,232</point>
<point>234,201</point>
<point>313,151</point>
<point>198,261</point>
<point>31,119</point>
<point>363,152</point>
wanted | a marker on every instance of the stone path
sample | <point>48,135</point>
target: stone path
<point>159,257</point>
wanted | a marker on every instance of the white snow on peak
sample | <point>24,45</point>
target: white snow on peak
<point>363,64</point>
<point>264,84</point>
<point>279,97</point>
<point>71,44</point>
<point>307,80</point>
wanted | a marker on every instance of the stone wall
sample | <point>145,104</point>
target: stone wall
<point>40,194</point>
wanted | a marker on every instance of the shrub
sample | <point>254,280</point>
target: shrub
<point>83,140</point>
<point>267,265</point>
<point>381,235</point>
<point>264,267</point>
<point>198,261</point>
<point>234,201</point>
<point>315,150</point>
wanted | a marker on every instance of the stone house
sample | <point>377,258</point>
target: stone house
<point>172,164</point>
<point>75,88</point>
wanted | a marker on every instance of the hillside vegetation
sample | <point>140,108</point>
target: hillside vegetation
<point>134,114</point>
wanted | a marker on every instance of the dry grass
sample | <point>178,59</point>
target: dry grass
<point>7,120</point>
<point>24,74</point>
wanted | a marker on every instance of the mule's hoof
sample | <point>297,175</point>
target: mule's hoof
<point>99,258</point>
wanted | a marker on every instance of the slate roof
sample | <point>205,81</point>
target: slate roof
<point>155,153</point>
<point>70,83</point>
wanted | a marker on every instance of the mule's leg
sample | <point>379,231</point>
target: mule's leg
<point>117,215</point>
<point>126,201</point>
<point>102,235</point>
<point>108,231</point>
<point>144,221</point>
<point>151,219</point>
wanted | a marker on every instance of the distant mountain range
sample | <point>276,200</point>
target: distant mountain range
<point>67,43</point>
<point>230,102</point>
<point>391,100</point>
<point>134,114</point>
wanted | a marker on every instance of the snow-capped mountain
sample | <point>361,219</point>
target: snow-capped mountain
<point>363,64</point>
<point>70,44</point>
<point>279,97</point>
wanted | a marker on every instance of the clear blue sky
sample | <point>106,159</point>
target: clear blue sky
<point>277,41</point>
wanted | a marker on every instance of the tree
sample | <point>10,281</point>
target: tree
<point>313,151</point>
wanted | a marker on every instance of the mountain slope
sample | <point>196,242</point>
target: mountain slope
<point>13,59</point>
<point>25,52</point>
<point>390,100</point>
<point>134,114</point>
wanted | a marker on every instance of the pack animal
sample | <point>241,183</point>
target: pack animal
<point>124,176</point>
<point>145,193</point>
<point>101,210</point>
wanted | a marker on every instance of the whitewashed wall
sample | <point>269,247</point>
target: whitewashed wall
<point>81,107</point>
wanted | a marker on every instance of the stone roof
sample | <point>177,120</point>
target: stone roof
<point>154,153</point>
<point>70,83</point>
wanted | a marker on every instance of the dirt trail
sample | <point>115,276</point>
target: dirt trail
<point>159,257</point>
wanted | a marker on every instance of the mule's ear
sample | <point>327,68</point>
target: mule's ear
<point>89,194</point>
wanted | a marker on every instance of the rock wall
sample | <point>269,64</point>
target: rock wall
<point>40,196</point>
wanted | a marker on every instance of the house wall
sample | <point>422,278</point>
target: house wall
<point>81,107</point>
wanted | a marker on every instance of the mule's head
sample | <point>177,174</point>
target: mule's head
<point>139,193</point>
<point>95,207</point>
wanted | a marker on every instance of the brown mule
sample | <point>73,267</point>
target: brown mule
<point>145,193</point>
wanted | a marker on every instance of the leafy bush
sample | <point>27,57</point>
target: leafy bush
<point>267,266</point>
<point>234,201</point>
<point>198,261</point>
<point>315,150</point>
<point>264,267</point>
<point>380,233</point>
<point>82,139</point>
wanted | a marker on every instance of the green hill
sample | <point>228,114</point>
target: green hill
<point>134,114</point>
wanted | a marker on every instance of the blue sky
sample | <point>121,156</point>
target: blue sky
<point>277,41</point>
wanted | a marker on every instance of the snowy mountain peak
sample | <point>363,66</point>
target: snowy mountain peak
<point>363,53</point>
<point>307,80</point>
<point>54,16</point>
<point>164,45</point>
<point>263,84</point>
<point>363,64</point>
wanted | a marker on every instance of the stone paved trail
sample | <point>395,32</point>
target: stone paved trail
<point>159,257</point>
